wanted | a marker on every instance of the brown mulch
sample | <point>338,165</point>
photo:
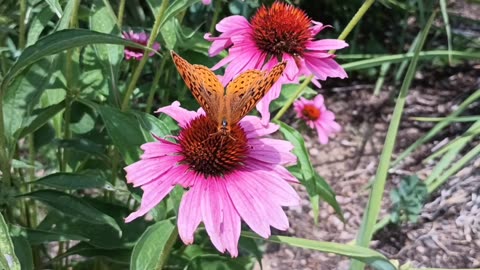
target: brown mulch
<point>448,232</point>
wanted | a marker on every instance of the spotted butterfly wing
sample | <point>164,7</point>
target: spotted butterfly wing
<point>204,85</point>
<point>245,91</point>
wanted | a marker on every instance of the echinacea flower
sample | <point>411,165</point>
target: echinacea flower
<point>229,178</point>
<point>315,113</point>
<point>279,33</point>
<point>140,38</point>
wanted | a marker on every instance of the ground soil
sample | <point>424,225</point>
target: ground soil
<point>447,234</point>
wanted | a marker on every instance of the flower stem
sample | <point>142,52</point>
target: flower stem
<point>293,98</point>
<point>353,22</point>
<point>216,13</point>
<point>154,86</point>
<point>143,61</point>
<point>121,11</point>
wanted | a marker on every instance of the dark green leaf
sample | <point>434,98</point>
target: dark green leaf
<point>117,255</point>
<point>39,118</point>
<point>152,125</point>
<point>36,237</point>
<point>58,42</point>
<point>73,207</point>
<point>74,181</point>
<point>125,132</point>
<point>23,252</point>
<point>154,245</point>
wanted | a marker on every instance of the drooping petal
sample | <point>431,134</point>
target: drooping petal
<point>254,128</point>
<point>326,45</point>
<point>146,170</point>
<point>272,151</point>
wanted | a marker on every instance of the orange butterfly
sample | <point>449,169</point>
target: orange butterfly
<point>226,107</point>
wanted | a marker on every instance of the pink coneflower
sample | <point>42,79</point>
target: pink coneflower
<point>279,33</point>
<point>229,178</point>
<point>317,116</point>
<point>140,38</point>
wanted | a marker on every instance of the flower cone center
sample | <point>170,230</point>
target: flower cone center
<point>282,28</point>
<point>210,152</point>
<point>311,112</point>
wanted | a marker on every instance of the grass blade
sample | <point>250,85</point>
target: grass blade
<point>374,202</point>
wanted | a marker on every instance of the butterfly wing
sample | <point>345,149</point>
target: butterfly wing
<point>203,83</point>
<point>245,91</point>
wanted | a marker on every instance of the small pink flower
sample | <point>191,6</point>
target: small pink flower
<point>206,2</point>
<point>317,116</point>
<point>228,178</point>
<point>140,38</point>
<point>279,33</point>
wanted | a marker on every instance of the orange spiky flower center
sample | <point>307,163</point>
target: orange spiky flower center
<point>209,152</point>
<point>311,112</point>
<point>282,28</point>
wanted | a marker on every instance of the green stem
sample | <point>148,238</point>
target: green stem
<point>216,13</point>
<point>5,160</point>
<point>21,23</point>
<point>121,11</point>
<point>143,61</point>
<point>356,18</point>
<point>353,22</point>
<point>290,101</point>
<point>154,86</point>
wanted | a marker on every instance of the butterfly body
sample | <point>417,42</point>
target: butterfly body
<point>226,107</point>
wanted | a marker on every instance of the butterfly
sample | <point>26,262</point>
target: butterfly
<point>226,107</point>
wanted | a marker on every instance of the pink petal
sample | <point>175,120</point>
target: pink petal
<point>326,45</point>
<point>232,24</point>
<point>272,151</point>
<point>145,171</point>
<point>153,194</point>
<point>248,206</point>
<point>254,128</point>
<point>325,67</point>
<point>189,215</point>
<point>159,149</point>
<point>212,214</point>
<point>181,115</point>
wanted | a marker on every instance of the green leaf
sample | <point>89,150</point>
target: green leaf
<point>117,255</point>
<point>314,183</point>
<point>99,235</point>
<point>61,41</point>
<point>154,246</point>
<point>73,207</point>
<point>125,132</point>
<point>23,252</point>
<point>363,254</point>
<point>39,118</point>
<point>169,34</point>
<point>8,260</point>
<point>37,25</point>
<point>36,237</point>
<point>152,125</point>
<point>21,97</point>
<point>104,20</point>
<point>74,181</point>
